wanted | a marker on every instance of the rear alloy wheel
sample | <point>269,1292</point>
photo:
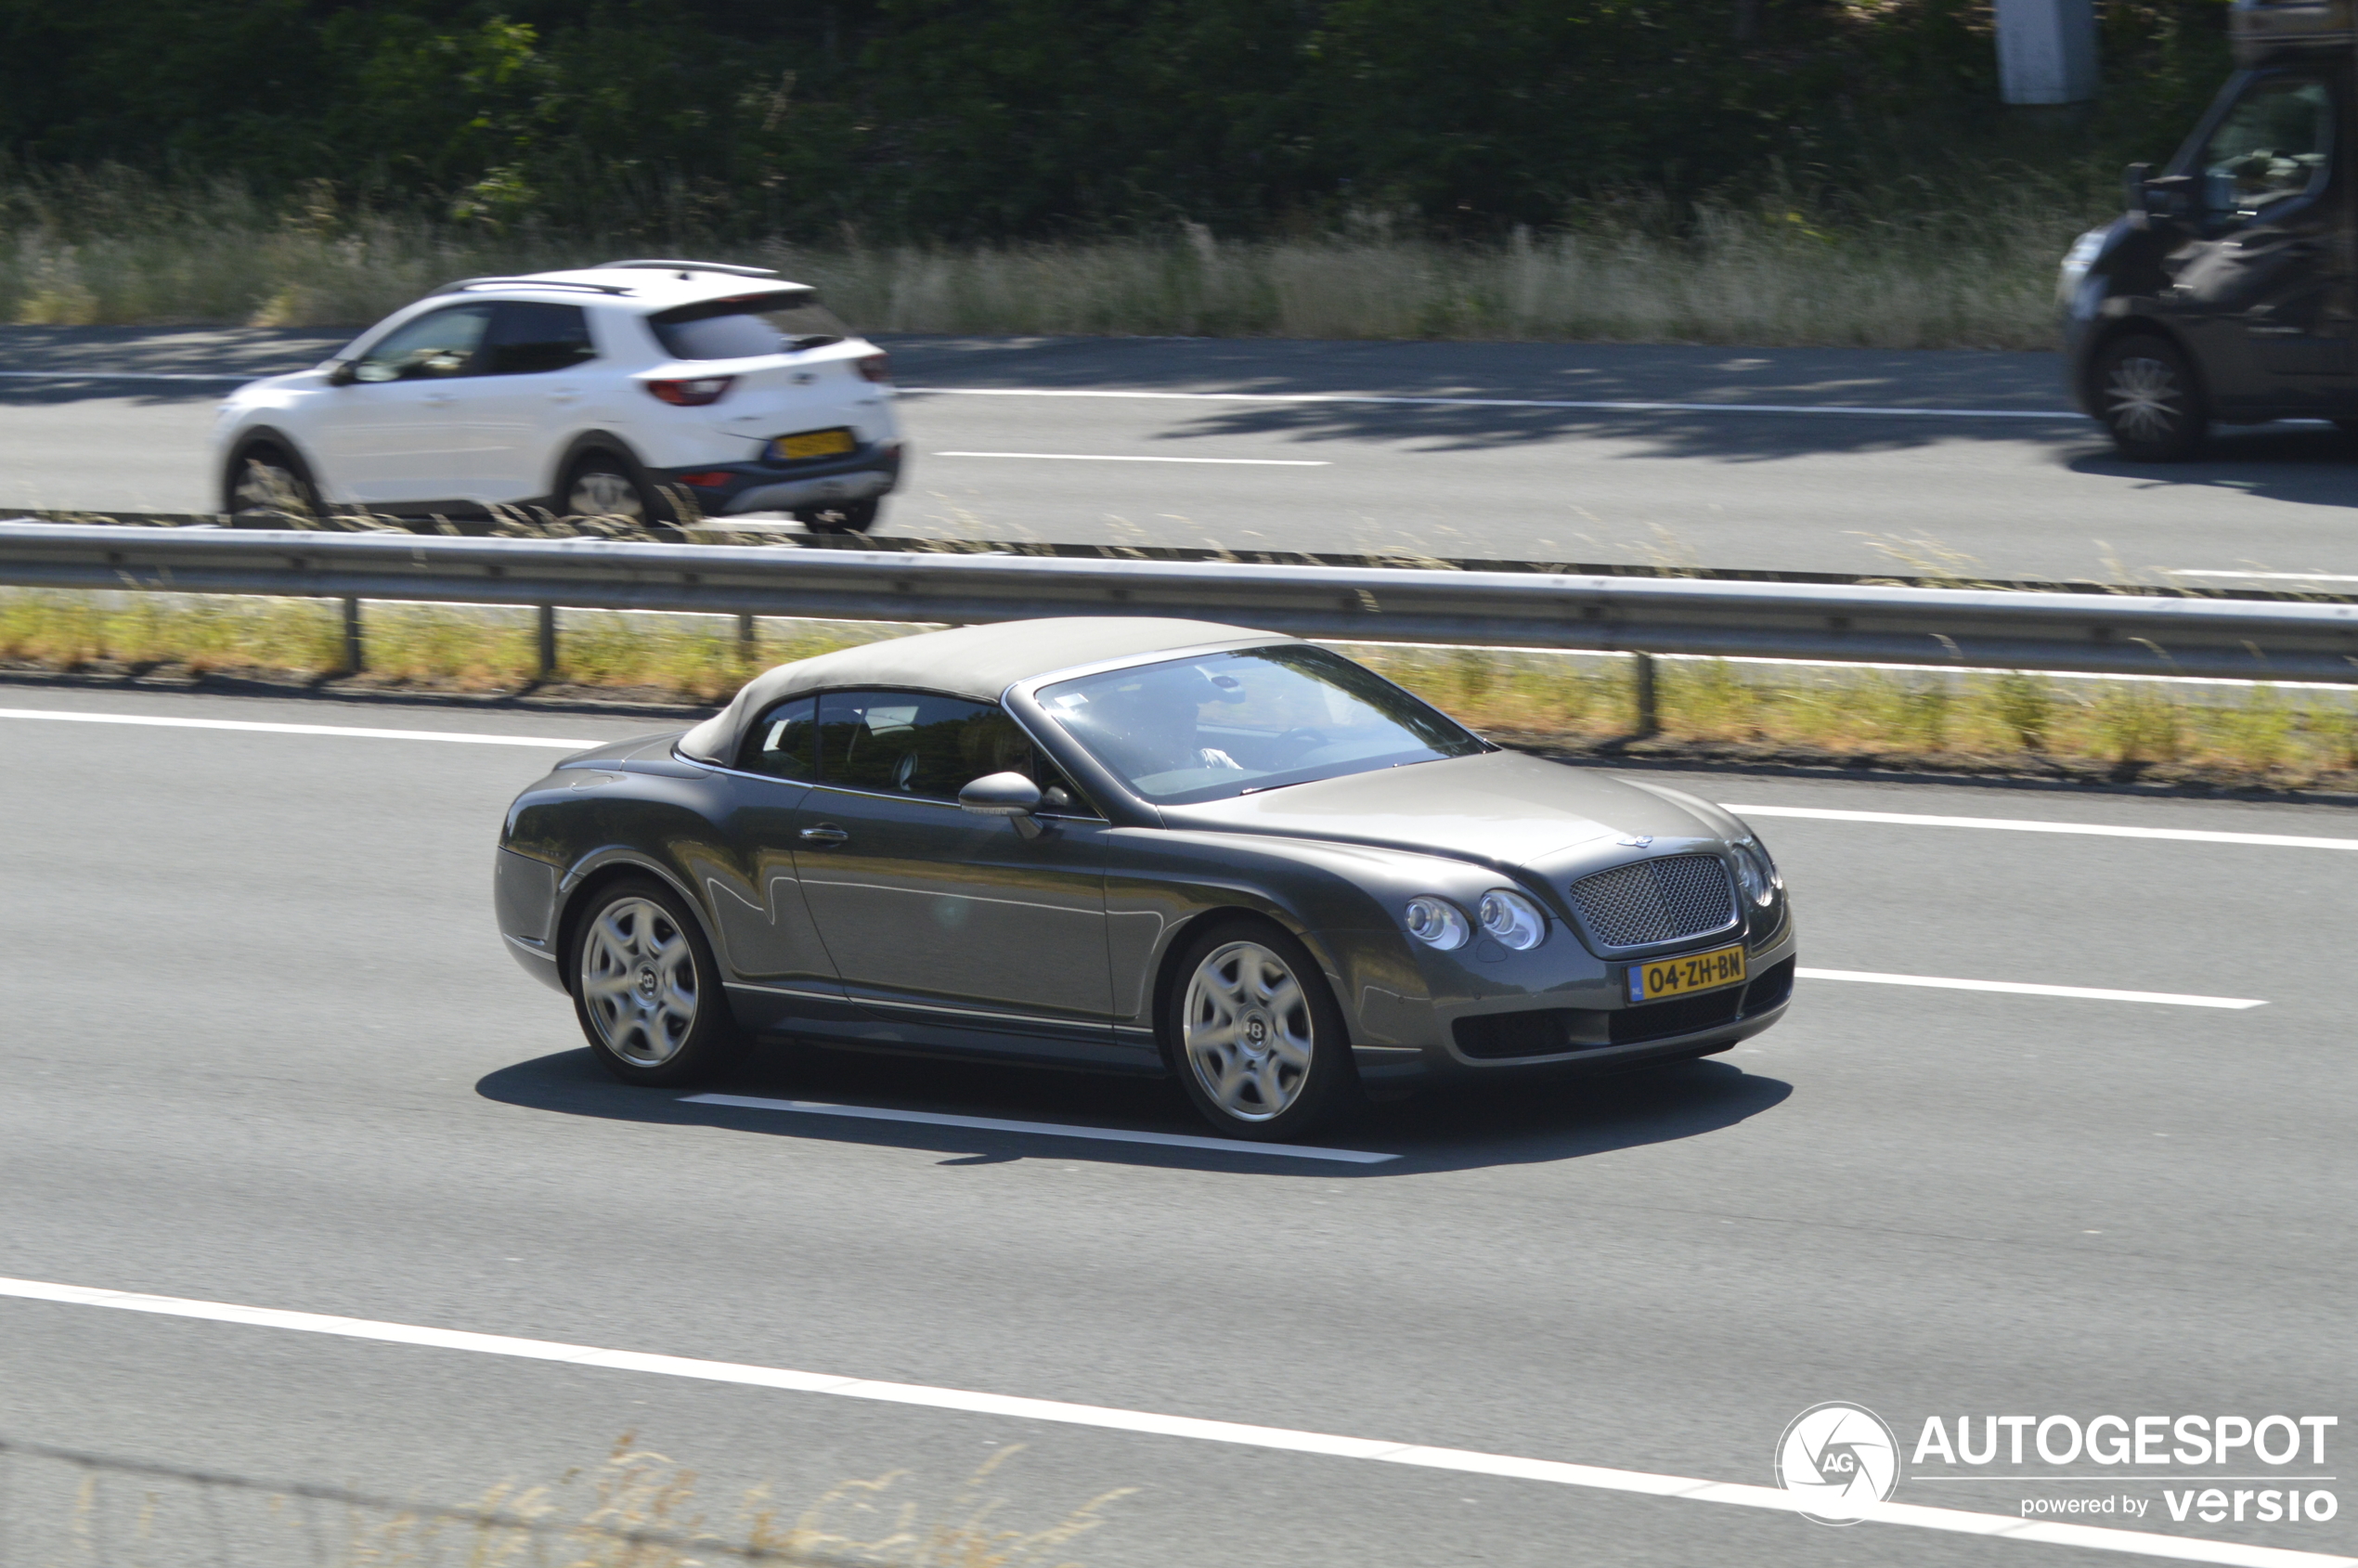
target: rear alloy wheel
<point>845,517</point>
<point>2147,398</point>
<point>646,990</point>
<point>268,483</point>
<point>601,485</point>
<point>1254,1035</point>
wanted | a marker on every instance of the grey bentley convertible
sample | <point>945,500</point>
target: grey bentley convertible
<point>1141,846</point>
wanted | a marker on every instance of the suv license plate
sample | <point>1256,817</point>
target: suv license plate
<point>813,444</point>
<point>1683,976</point>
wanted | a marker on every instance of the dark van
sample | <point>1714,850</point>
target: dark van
<point>2225,293</point>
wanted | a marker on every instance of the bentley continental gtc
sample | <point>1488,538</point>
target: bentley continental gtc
<point>1158,847</point>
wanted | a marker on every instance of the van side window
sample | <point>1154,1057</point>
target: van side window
<point>2275,144</point>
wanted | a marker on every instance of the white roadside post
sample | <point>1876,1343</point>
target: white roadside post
<point>2046,51</point>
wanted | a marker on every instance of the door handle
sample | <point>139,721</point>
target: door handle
<point>441,397</point>
<point>564,395</point>
<point>824,832</point>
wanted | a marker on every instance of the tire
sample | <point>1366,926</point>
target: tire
<point>633,949</point>
<point>605,485</point>
<point>1293,1072</point>
<point>848,517</point>
<point>266,481</point>
<point>2147,397</point>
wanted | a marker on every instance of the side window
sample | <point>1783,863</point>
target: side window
<point>527,338</point>
<point>438,345</point>
<point>2275,144</point>
<point>912,743</point>
<point>783,743</point>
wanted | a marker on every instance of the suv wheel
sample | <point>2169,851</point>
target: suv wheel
<point>266,482</point>
<point>846,517</point>
<point>2145,394</point>
<point>601,484</point>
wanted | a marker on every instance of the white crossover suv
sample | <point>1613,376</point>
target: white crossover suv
<point>644,389</point>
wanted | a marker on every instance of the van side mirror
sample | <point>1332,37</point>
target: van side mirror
<point>1005,795</point>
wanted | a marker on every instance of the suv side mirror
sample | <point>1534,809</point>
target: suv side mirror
<point>1005,795</point>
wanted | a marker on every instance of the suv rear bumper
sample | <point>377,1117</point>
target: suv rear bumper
<point>762,485</point>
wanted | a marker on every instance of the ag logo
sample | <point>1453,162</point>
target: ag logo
<point>1838,1461</point>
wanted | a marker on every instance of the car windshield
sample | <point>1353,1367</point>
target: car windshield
<point>1229,725</point>
<point>783,321</point>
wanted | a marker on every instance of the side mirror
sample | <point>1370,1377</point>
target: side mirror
<point>341,373</point>
<point>1005,795</point>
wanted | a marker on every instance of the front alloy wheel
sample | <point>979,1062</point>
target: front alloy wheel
<point>645,988</point>
<point>1259,1042</point>
<point>2147,399</point>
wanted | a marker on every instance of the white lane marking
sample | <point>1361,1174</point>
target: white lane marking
<point>2019,824</point>
<point>2090,994</point>
<point>1101,456</point>
<point>458,737</point>
<point>2184,1548</point>
<point>2262,576</point>
<point>1049,1129</point>
<point>223,380</point>
<point>1611,406</point>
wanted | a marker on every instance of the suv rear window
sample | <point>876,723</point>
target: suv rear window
<point>783,322</point>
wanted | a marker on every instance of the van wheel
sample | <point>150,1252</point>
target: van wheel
<point>2146,395</point>
<point>846,517</point>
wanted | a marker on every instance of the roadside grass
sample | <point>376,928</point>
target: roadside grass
<point>2220,732</point>
<point>1974,269</point>
<point>638,1509</point>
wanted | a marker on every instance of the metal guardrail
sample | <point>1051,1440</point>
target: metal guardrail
<point>2124,634</point>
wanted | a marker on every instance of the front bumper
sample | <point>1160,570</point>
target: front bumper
<point>763,485</point>
<point>1506,1021</point>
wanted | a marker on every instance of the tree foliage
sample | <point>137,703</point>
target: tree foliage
<point>988,119</point>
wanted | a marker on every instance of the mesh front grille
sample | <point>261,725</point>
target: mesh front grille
<point>1661,901</point>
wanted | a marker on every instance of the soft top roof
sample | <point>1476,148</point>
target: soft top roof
<point>976,662</point>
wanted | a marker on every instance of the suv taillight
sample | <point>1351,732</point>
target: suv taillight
<point>693,393</point>
<point>876,367</point>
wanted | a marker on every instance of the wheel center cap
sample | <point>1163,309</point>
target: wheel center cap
<point>647,983</point>
<point>1255,1032</point>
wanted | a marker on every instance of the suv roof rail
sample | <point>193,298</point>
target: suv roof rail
<point>465,283</point>
<point>661,265</point>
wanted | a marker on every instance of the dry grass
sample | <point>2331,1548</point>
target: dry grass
<point>110,247</point>
<point>2261,735</point>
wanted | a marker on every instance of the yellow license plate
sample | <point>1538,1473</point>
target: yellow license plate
<point>1682,977</point>
<point>814,444</point>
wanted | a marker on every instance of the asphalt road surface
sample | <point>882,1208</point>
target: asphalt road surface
<point>263,1048</point>
<point>1825,459</point>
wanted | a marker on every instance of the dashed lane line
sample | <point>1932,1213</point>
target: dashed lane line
<point>2019,824</point>
<point>1995,1526</point>
<point>2088,993</point>
<point>1108,457</point>
<point>1593,405</point>
<point>349,732</point>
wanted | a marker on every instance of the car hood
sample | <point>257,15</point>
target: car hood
<point>1501,807</point>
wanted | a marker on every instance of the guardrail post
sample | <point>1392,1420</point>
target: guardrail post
<point>355,653</point>
<point>1648,705</point>
<point>748,644</point>
<point>548,641</point>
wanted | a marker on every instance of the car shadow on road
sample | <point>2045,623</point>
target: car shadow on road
<point>1522,1121</point>
<point>2307,464</point>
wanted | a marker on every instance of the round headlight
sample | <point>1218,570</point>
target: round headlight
<point>1756,872</point>
<point>1514,919</point>
<point>1436,923</point>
